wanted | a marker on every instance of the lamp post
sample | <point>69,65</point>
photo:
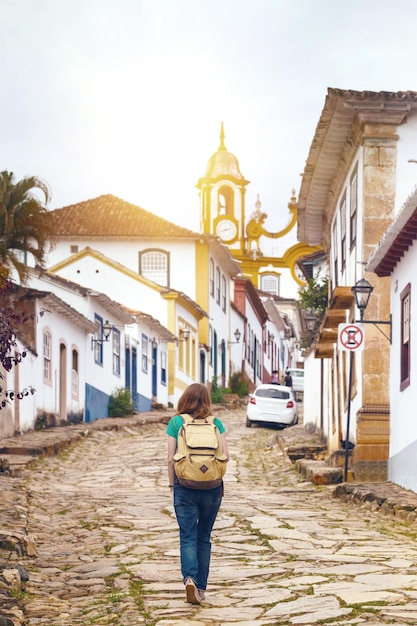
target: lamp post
<point>185,333</point>
<point>362,292</point>
<point>237,335</point>
<point>105,334</point>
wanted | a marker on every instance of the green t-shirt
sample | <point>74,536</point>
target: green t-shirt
<point>175,423</point>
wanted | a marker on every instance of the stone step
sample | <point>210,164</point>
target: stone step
<point>318,472</point>
<point>306,451</point>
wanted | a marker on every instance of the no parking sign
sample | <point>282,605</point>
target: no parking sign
<point>350,337</point>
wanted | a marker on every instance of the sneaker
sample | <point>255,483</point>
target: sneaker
<point>191,591</point>
<point>201,595</point>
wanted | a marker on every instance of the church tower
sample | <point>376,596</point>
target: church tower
<point>222,198</point>
<point>222,202</point>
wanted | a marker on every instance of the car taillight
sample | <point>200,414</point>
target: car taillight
<point>252,400</point>
<point>290,404</point>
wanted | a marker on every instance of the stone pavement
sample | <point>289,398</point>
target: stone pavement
<point>92,529</point>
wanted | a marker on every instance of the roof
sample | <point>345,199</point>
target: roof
<point>166,292</point>
<point>333,136</point>
<point>162,333</point>
<point>223,164</point>
<point>54,303</point>
<point>109,216</point>
<point>109,305</point>
<point>245,285</point>
<point>396,240</point>
<point>274,314</point>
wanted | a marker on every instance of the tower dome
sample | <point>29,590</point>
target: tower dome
<point>222,162</point>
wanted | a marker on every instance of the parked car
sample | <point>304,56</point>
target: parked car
<point>297,376</point>
<point>274,404</point>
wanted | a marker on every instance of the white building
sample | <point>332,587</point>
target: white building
<point>396,257</point>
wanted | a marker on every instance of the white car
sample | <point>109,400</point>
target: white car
<point>273,404</point>
<point>297,376</point>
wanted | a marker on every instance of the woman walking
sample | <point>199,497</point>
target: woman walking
<point>195,509</point>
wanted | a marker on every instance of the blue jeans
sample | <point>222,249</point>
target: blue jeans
<point>196,511</point>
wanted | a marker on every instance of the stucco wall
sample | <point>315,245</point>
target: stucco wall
<point>402,467</point>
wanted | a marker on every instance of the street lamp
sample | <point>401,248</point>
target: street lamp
<point>185,334</point>
<point>105,334</point>
<point>362,292</point>
<point>310,319</point>
<point>237,335</point>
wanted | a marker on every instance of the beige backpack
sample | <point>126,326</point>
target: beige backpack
<point>199,461</point>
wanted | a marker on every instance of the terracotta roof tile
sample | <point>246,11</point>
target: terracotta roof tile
<point>108,216</point>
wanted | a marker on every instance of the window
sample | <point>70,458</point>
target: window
<point>334,248</point>
<point>248,345</point>
<point>217,285</point>
<point>353,207</point>
<point>405,337</point>
<point>252,352</point>
<point>98,340</point>
<point>73,249</point>
<point>270,284</point>
<point>343,231</point>
<point>74,374</point>
<point>211,345</point>
<point>154,265</point>
<point>224,299</point>
<point>47,356</point>
<point>116,352</point>
<point>225,201</point>
<point>212,278</point>
<point>164,368</point>
<point>145,354</point>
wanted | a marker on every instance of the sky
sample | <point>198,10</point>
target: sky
<point>127,97</point>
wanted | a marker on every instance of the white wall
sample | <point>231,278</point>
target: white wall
<point>406,173</point>
<point>402,468</point>
<point>182,254</point>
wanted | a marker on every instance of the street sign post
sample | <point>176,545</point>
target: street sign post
<point>350,338</point>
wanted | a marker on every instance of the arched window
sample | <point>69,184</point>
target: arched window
<point>225,201</point>
<point>74,374</point>
<point>154,265</point>
<point>47,356</point>
<point>270,284</point>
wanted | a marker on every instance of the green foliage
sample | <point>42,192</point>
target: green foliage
<point>238,384</point>
<point>121,403</point>
<point>26,225</point>
<point>217,392</point>
<point>314,296</point>
<point>313,300</point>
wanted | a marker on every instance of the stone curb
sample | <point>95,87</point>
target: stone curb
<point>387,497</point>
<point>20,451</point>
<point>306,452</point>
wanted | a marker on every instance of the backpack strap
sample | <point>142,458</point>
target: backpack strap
<point>189,419</point>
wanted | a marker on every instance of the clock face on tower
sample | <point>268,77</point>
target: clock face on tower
<point>226,229</point>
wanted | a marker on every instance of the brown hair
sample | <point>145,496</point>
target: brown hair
<point>195,401</point>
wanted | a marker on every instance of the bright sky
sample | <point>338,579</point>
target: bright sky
<point>127,96</point>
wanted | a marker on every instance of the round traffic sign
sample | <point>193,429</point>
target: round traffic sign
<point>351,337</point>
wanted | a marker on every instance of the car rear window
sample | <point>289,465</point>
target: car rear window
<point>294,373</point>
<point>272,393</point>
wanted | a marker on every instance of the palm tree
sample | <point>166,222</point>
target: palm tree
<point>25,222</point>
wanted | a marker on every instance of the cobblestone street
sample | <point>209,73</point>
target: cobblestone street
<point>284,551</point>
